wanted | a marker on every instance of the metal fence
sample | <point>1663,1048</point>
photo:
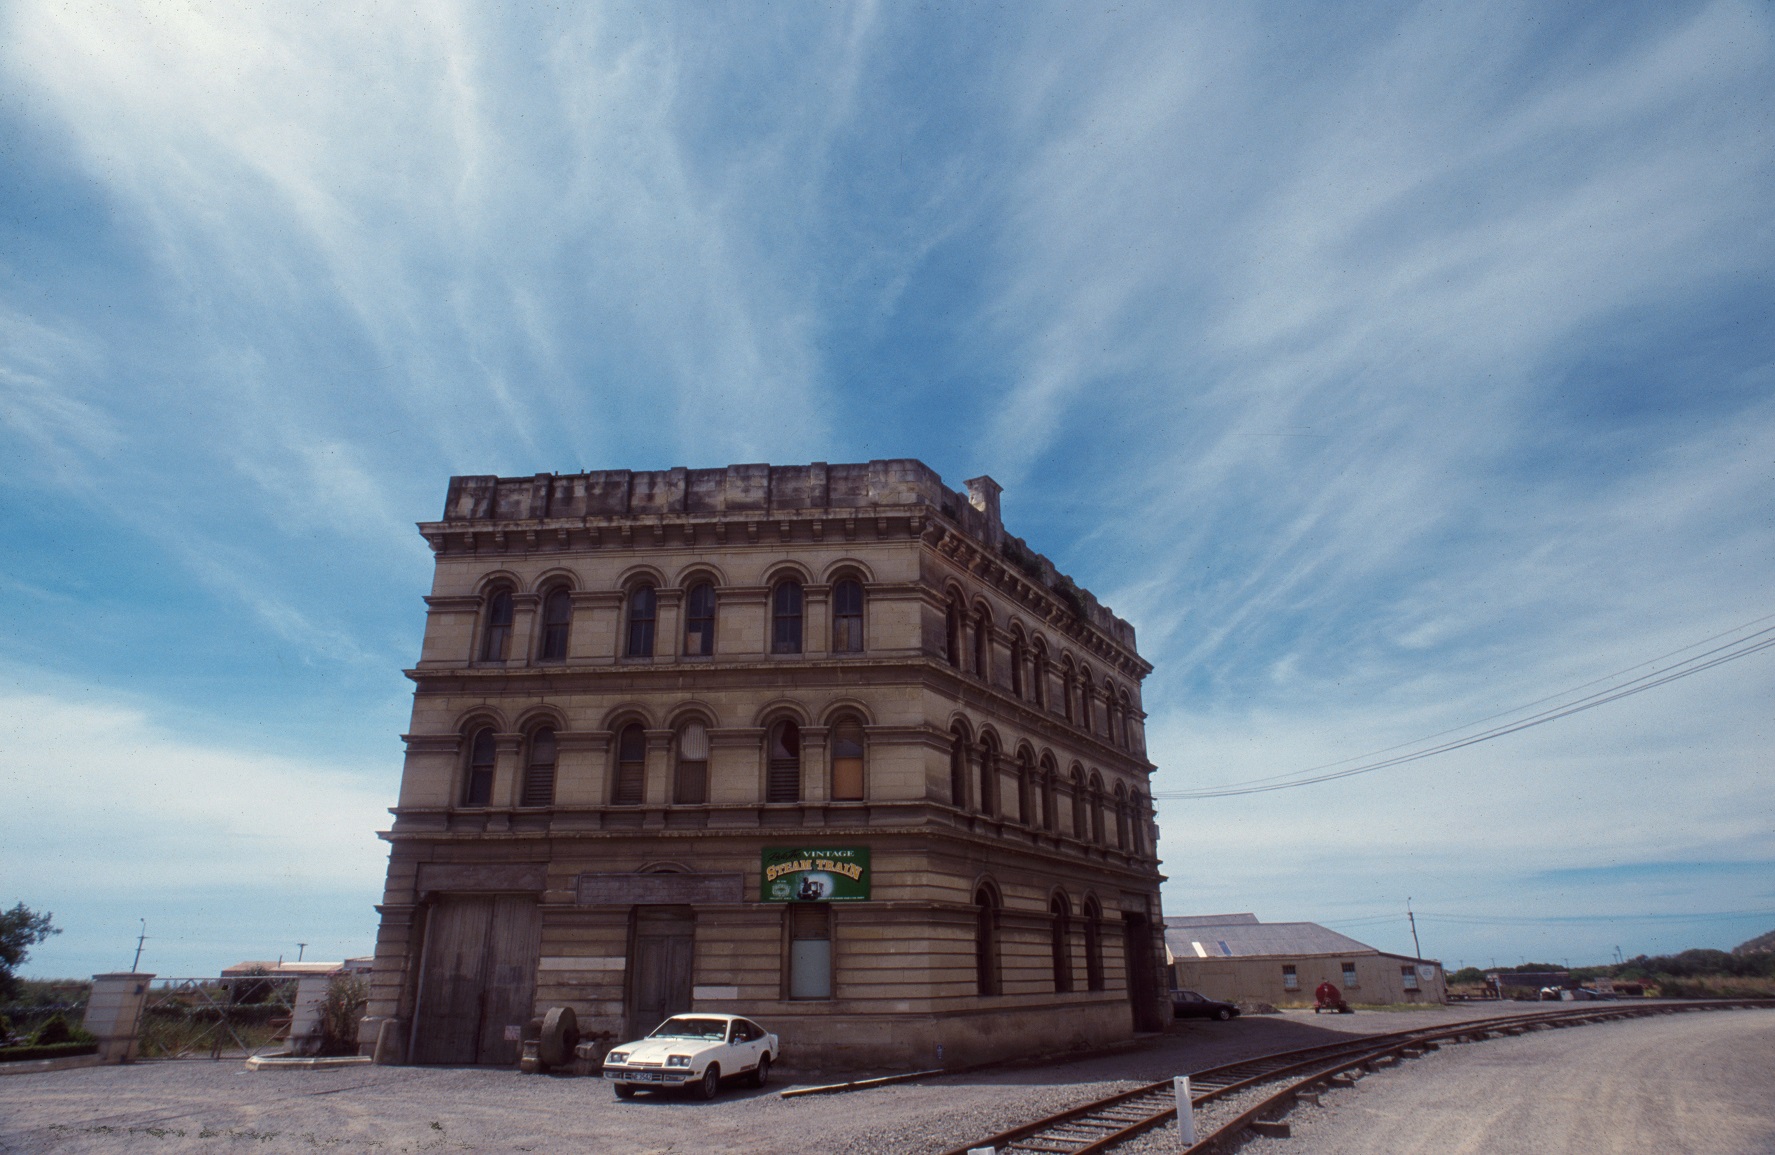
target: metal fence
<point>216,1017</point>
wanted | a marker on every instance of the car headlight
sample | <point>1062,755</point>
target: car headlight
<point>618,1057</point>
<point>677,1060</point>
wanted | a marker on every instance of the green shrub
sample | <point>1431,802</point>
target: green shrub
<point>52,1051</point>
<point>347,995</point>
<point>54,1030</point>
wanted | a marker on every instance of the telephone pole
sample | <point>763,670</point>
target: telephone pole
<point>1414,928</point>
<point>140,939</point>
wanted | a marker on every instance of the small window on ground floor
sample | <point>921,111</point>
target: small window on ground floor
<point>1349,974</point>
<point>1290,979</point>
<point>810,950</point>
<point>1408,978</point>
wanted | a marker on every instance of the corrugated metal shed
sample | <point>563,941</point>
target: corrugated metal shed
<point>1252,939</point>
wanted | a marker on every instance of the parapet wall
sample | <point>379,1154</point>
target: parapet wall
<point>766,490</point>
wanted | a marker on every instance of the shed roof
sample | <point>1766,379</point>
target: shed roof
<point>1252,939</point>
<point>1176,920</point>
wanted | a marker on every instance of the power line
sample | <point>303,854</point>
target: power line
<point>1555,920</point>
<point>1730,652</point>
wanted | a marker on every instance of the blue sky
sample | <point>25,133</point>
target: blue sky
<point>1387,367</point>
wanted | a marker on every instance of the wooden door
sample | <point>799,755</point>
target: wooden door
<point>478,977</point>
<point>660,966</point>
<point>1137,953</point>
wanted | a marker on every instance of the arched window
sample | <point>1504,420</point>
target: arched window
<point>1086,696</point>
<point>1121,805</point>
<point>631,766</point>
<point>1096,809</point>
<point>1069,686</point>
<point>477,783</point>
<point>1093,945</point>
<point>690,785</point>
<point>496,630</point>
<point>643,613</point>
<point>557,622</point>
<point>958,770</point>
<point>847,616</point>
<point>1049,819</point>
<point>1041,674</point>
<point>1112,716</point>
<point>847,761</point>
<point>985,942</point>
<point>988,776</point>
<point>1026,788</point>
<point>1081,802</point>
<point>1127,723</point>
<point>1061,931</point>
<point>699,619</point>
<point>785,617</point>
<point>983,645</point>
<point>783,775</point>
<point>952,633</point>
<point>539,769</point>
<point>1018,656</point>
<point>1137,822</point>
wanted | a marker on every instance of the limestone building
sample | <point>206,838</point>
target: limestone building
<point>821,745</point>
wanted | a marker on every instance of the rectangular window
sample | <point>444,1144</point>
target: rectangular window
<point>692,785</point>
<point>1290,980</point>
<point>1408,978</point>
<point>1349,974</point>
<point>810,950</point>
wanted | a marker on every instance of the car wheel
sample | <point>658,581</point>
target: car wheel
<point>761,1076</point>
<point>623,1090</point>
<point>1223,1014</point>
<point>710,1082</point>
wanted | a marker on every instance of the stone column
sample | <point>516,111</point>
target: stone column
<point>114,1013</point>
<point>816,619</point>
<point>658,781</point>
<point>524,614</point>
<point>668,624</point>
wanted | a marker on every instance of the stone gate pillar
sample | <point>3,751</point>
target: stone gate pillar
<point>114,1013</point>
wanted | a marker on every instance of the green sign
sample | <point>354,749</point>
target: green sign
<point>815,874</point>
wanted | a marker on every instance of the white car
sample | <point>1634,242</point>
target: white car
<point>692,1050</point>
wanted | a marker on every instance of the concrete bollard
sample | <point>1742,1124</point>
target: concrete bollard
<point>114,1013</point>
<point>1186,1113</point>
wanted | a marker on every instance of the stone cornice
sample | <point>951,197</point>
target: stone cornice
<point>980,563</point>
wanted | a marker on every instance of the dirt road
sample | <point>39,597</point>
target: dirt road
<point>1702,1083</point>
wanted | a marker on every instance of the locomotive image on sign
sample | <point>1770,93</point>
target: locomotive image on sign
<point>818,874</point>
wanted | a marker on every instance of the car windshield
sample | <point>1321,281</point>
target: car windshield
<point>687,1027</point>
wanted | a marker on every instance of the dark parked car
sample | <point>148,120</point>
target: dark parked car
<point>1190,1005</point>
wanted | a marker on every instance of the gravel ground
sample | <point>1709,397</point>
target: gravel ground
<point>1693,1083</point>
<point>206,1106</point>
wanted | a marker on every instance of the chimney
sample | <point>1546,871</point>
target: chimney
<point>983,495</point>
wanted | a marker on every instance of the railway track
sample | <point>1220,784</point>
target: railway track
<point>1287,1075</point>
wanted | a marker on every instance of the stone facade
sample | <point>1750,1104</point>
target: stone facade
<point>637,688</point>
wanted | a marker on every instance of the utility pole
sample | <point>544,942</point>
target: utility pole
<point>300,947</point>
<point>1414,927</point>
<point>140,939</point>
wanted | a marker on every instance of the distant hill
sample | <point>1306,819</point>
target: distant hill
<point>1757,945</point>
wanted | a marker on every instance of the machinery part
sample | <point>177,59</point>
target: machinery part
<point>560,1034</point>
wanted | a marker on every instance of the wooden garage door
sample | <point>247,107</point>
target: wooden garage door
<point>661,966</point>
<point>478,979</point>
